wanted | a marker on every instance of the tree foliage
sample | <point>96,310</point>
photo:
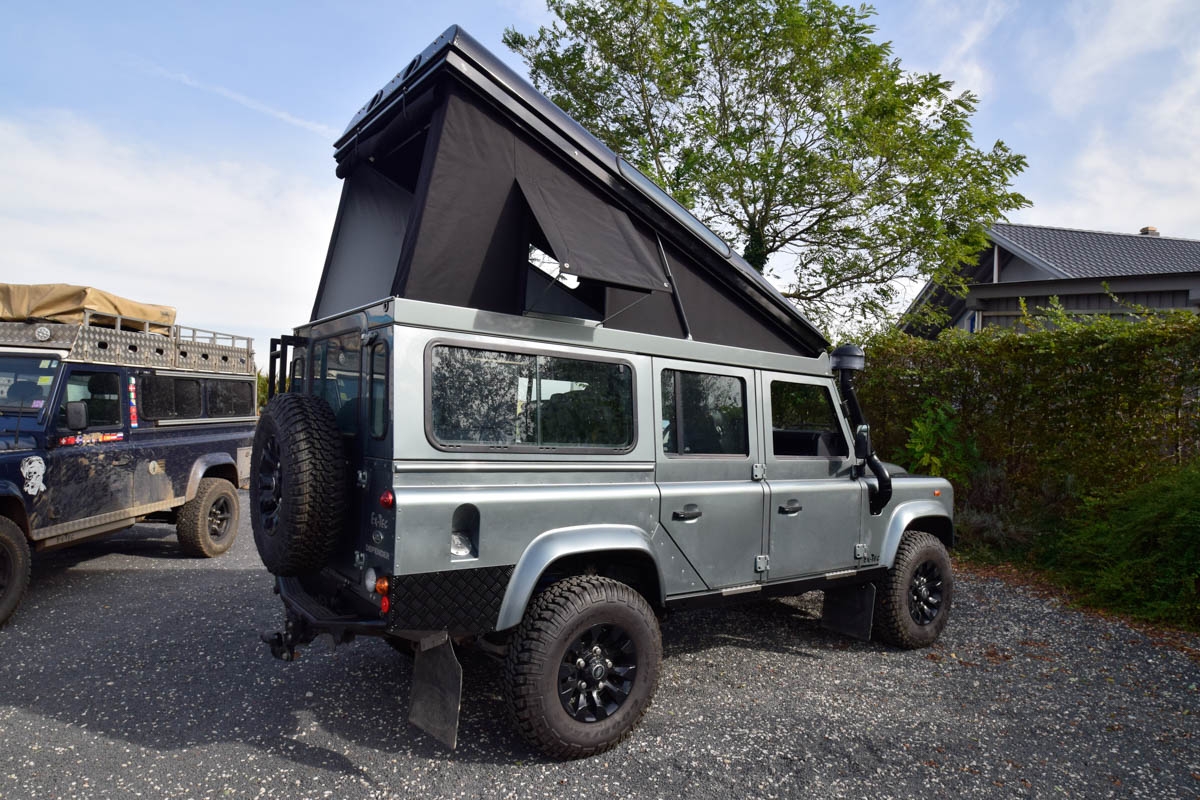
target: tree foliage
<point>789,130</point>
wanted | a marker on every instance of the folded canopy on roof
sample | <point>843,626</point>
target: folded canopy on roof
<point>465,186</point>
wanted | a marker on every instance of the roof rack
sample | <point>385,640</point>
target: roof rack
<point>129,341</point>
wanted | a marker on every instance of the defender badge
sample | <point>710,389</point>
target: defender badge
<point>32,470</point>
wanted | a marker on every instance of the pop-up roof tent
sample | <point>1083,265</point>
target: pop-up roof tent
<point>464,185</point>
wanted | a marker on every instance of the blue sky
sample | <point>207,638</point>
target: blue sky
<point>181,153</point>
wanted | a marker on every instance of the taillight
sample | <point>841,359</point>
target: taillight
<point>387,499</point>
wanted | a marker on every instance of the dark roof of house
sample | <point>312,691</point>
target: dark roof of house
<point>1073,253</point>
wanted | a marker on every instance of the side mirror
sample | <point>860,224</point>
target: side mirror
<point>77,415</point>
<point>862,442</point>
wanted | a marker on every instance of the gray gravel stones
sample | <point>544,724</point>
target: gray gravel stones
<point>130,671</point>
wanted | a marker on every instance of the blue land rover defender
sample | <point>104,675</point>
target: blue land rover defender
<point>110,420</point>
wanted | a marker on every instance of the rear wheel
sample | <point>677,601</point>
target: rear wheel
<point>207,523</point>
<point>14,567</point>
<point>582,668</point>
<point>912,604</point>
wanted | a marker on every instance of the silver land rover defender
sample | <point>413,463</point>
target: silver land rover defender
<point>538,404</point>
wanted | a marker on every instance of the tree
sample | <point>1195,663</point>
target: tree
<point>785,127</point>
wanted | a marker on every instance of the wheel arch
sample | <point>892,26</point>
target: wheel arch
<point>12,506</point>
<point>923,515</point>
<point>620,552</point>
<point>211,465</point>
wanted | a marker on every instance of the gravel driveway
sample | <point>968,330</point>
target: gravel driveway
<point>132,672</point>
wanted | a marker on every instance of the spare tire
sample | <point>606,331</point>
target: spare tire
<point>297,484</point>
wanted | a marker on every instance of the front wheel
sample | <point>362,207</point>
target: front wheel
<point>14,567</point>
<point>582,668</point>
<point>912,603</point>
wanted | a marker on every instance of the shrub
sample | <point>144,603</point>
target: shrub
<point>1137,552</point>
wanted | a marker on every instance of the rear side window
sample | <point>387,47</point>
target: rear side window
<point>165,398</point>
<point>703,414</point>
<point>496,399</point>
<point>230,398</point>
<point>804,422</point>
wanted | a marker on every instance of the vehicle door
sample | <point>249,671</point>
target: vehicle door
<point>89,473</point>
<point>815,505</point>
<point>711,503</point>
<point>350,370</point>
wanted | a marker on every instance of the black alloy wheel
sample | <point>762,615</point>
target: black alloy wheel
<point>597,673</point>
<point>270,485</point>
<point>220,514</point>
<point>925,593</point>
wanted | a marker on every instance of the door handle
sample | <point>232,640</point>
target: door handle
<point>791,508</point>
<point>690,513</point>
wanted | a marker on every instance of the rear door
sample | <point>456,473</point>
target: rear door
<point>815,506</point>
<point>711,504</point>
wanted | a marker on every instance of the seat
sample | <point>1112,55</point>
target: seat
<point>104,407</point>
<point>23,393</point>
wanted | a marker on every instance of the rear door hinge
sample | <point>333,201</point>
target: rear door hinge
<point>860,551</point>
<point>758,472</point>
<point>762,563</point>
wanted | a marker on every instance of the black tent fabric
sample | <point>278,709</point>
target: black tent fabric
<point>591,238</point>
<point>459,175</point>
<point>366,242</point>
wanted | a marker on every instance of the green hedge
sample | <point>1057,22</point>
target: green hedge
<point>1029,425</point>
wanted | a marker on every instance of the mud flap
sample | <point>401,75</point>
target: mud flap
<point>436,689</point>
<point>849,611</point>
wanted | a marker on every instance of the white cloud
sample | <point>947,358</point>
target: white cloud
<point>1105,36</point>
<point>972,25</point>
<point>1141,172</point>
<point>234,246</point>
<point>325,131</point>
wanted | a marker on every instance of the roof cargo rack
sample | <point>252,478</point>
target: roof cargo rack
<point>130,341</point>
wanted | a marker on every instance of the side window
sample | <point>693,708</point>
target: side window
<point>378,390</point>
<point>230,398</point>
<point>101,391</point>
<point>336,376</point>
<point>497,399</point>
<point>704,414</point>
<point>804,421</point>
<point>163,397</point>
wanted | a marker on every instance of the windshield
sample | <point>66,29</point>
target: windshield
<point>26,382</point>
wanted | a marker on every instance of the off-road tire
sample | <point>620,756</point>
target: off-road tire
<point>556,620</point>
<point>208,523</point>
<point>14,567</point>
<point>297,484</point>
<point>900,610</point>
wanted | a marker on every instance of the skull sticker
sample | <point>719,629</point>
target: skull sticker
<point>32,470</point>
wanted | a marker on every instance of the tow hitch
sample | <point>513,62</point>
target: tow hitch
<point>283,644</point>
